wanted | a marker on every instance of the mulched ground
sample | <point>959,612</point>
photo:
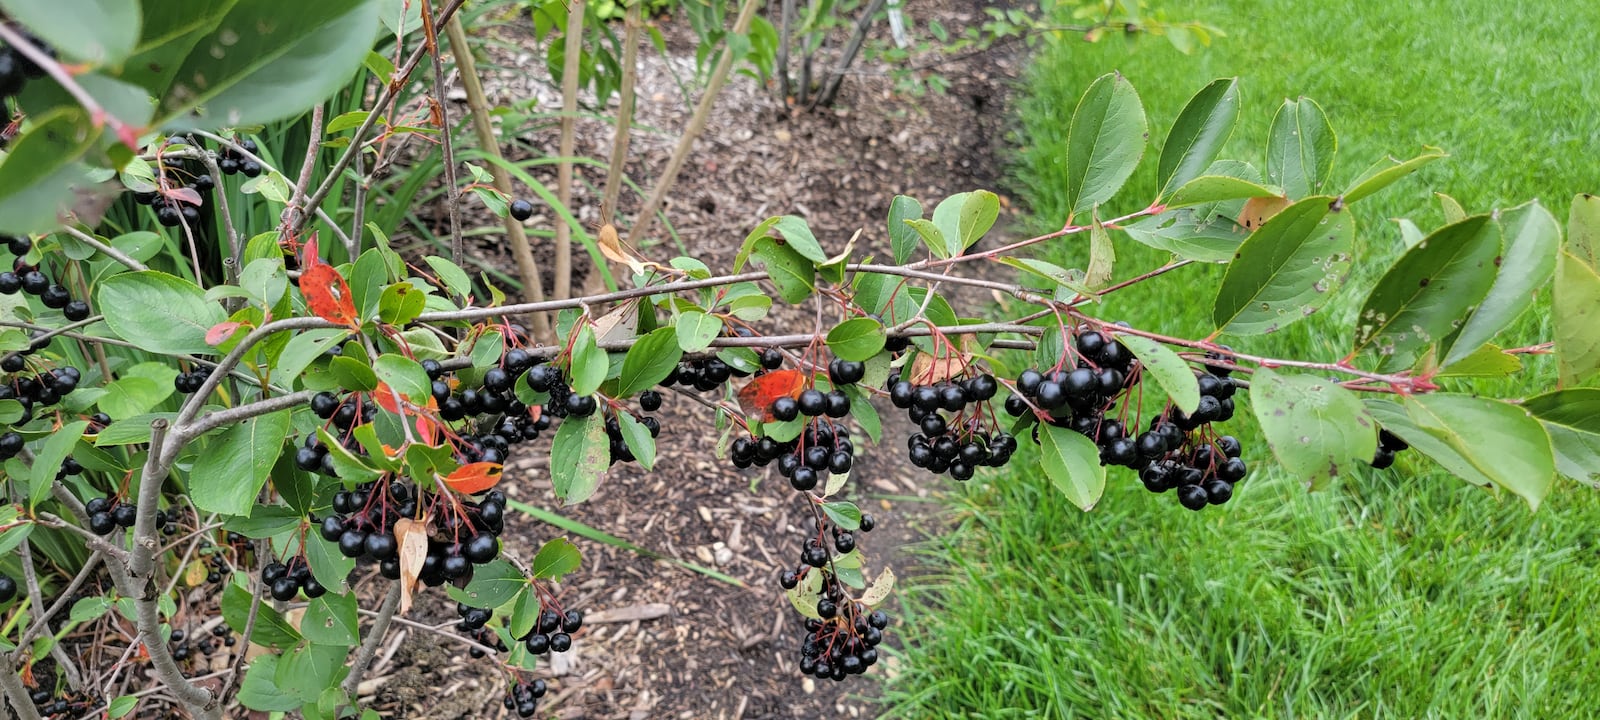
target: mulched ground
<point>663,641</point>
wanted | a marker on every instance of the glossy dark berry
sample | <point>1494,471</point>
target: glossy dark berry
<point>1193,497</point>
<point>125,515</point>
<point>812,402</point>
<point>76,310</point>
<point>649,401</point>
<point>521,209</point>
<point>8,589</point>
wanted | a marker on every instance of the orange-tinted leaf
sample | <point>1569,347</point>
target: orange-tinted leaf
<point>757,396</point>
<point>183,194</point>
<point>327,294</point>
<point>221,331</point>
<point>474,478</point>
<point>1258,210</point>
<point>384,396</point>
<point>427,427</point>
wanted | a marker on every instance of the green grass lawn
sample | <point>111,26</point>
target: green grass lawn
<point>1400,594</point>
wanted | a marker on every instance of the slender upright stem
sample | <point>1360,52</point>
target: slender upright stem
<point>569,126</point>
<point>452,195</point>
<point>697,125</point>
<point>369,644</point>
<point>478,104</point>
<point>864,23</point>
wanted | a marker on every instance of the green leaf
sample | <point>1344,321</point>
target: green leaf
<point>47,462</point>
<point>267,60</point>
<point>1072,462</point>
<point>804,596</point>
<point>963,218</point>
<point>368,278</point>
<point>1216,188</point>
<point>230,472</point>
<point>1386,172</point>
<point>1426,293</point>
<point>121,706</point>
<point>331,620</point>
<point>1287,269</point>
<point>857,339</point>
<point>843,514</point>
<point>352,374</point>
<point>589,363</point>
<point>1583,230</point>
<point>271,629</point>
<point>1575,314</point>
<point>493,584</point>
<point>1315,428</point>
<point>902,239</point>
<point>696,330</point>
<point>260,692</point>
<point>1572,418</point>
<point>303,349</point>
<point>1198,134</point>
<point>1104,142</point>
<point>405,376</point>
<point>306,670</point>
<point>93,32</point>
<point>797,237</point>
<point>1453,212</point>
<point>158,312</point>
<point>1102,259</point>
<point>749,245</point>
<point>555,559</point>
<point>1174,375</point>
<point>650,360</point>
<point>1487,361</point>
<point>862,410</point>
<point>1492,439</point>
<point>454,278</point>
<point>329,566</point>
<point>1189,234</point>
<point>265,521</point>
<point>1525,265</point>
<point>639,441</point>
<point>793,274</point>
<point>401,303</point>
<point>931,235</point>
<point>579,456</point>
<point>1300,148</point>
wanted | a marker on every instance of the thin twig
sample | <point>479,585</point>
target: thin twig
<point>297,199</point>
<point>125,133</point>
<point>109,251</point>
<point>830,90</point>
<point>452,195</point>
<point>389,91</point>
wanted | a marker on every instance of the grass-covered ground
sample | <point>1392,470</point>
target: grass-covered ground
<point>1402,594</point>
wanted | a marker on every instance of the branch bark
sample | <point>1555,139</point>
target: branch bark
<point>863,24</point>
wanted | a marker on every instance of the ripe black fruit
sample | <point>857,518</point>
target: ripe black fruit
<point>521,209</point>
<point>1193,497</point>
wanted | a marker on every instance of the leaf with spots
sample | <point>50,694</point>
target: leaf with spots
<point>1315,428</point>
<point>1532,241</point>
<point>327,293</point>
<point>1287,269</point>
<point>1479,439</point>
<point>1427,293</point>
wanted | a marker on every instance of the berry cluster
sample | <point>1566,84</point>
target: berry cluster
<point>823,447</point>
<point>205,646</point>
<point>285,580</point>
<point>553,631</point>
<point>843,639</point>
<point>961,442</point>
<point>39,391</point>
<point>232,161</point>
<point>620,452</point>
<point>71,704</point>
<point>16,69</point>
<point>702,374</point>
<point>523,697</point>
<point>29,278</point>
<point>109,512</point>
<point>1388,445</point>
<point>191,381</point>
<point>467,533</point>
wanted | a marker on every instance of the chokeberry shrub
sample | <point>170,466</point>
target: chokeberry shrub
<point>272,415</point>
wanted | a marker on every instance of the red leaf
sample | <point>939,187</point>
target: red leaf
<point>221,331</point>
<point>327,294</point>
<point>384,397</point>
<point>474,478</point>
<point>757,396</point>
